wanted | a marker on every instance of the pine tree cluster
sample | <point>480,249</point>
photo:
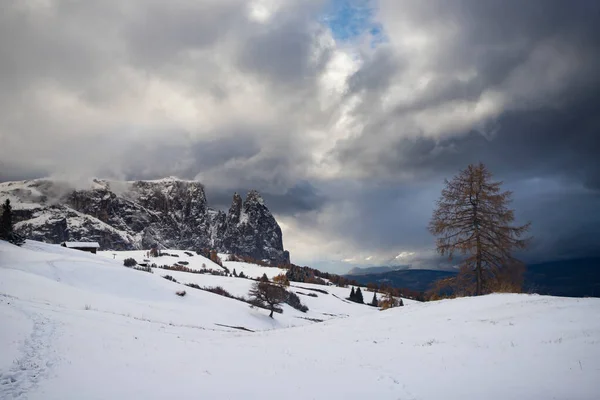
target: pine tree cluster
<point>356,296</point>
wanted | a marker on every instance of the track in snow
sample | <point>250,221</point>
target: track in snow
<point>35,360</point>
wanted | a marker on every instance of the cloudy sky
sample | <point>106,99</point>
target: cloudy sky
<point>346,115</point>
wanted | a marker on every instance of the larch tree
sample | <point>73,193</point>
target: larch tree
<point>472,219</point>
<point>268,295</point>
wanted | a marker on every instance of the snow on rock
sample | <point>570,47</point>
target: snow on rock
<point>135,215</point>
<point>82,326</point>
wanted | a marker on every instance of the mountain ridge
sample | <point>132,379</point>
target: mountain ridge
<point>578,277</point>
<point>128,215</point>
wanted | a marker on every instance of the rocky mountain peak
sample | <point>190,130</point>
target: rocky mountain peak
<point>235,211</point>
<point>134,215</point>
<point>254,197</point>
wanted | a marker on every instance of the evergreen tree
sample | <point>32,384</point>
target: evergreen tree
<point>352,295</point>
<point>264,278</point>
<point>401,303</point>
<point>374,302</point>
<point>6,225</point>
<point>359,296</point>
<point>235,273</point>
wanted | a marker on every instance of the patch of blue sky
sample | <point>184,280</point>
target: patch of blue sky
<point>350,19</point>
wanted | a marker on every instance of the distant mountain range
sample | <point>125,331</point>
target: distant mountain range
<point>375,270</point>
<point>572,278</point>
<point>414,279</point>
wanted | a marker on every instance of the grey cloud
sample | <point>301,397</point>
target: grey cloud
<point>284,52</point>
<point>159,33</point>
<point>298,199</point>
<point>495,38</point>
<point>377,72</point>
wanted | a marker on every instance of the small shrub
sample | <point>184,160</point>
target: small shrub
<point>175,255</point>
<point>313,289</point>
<point>193,285</point>
<point>218,290</point>
<point>129,262</point>
<point>170,278</point>
<point>183,262</point>
<point>294,301</point>
<point>180,293</point>
<point>214,257</point>
<point>145,268</point>
<point>187,253</point>
<point>312,295</point>
<point>281,280</point>
<point>87,307</point>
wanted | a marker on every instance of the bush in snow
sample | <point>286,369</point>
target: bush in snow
<point>281,280</point>
<point>183,262</point>
<point>170,278</point>
<point>294,301</point>
<point>218,290</point>
<point>180,293</point>
<point>264,278</point>
<point>129,262</point>
<point>214,257</point>
<point>145,268</point>
<point>187,253</point>
<point>193,285</point>
<point>390,302</point>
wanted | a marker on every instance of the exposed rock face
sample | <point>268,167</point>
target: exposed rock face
<point>134,215</point>
<point>251,229</point>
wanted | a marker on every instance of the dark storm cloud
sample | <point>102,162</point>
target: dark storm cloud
<point>495,38</point>
<point>302,197</point>
<point>525,144</point>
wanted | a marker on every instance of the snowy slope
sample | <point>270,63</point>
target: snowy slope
<point>139,340</point>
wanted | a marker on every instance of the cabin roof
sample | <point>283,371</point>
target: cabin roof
<point>82,244</point>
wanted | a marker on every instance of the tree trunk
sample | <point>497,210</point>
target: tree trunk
<point>478,268</point>
<point>271,315</point>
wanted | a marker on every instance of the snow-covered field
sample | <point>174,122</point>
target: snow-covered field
<point>195,262</point>
<point>82,326</point>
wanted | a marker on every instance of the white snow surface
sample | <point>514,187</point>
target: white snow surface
<point>75,325</point>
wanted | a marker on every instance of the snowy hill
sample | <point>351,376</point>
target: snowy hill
<point>82,326</point>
